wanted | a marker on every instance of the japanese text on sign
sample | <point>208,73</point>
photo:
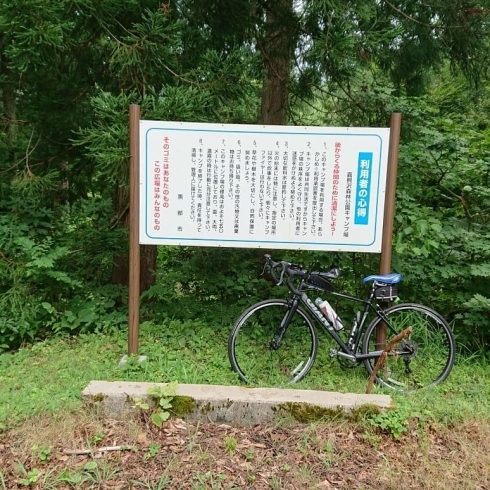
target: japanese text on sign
<point>262,186</point>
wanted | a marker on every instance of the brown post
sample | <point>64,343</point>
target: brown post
<point>389,211</point>
<point>134,218</point>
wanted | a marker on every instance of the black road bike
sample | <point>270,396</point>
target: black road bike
<point>275,342</point>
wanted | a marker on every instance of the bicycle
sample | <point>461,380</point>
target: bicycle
<point>275,342</point>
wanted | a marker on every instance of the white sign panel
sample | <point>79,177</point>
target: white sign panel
<point>262,186</point>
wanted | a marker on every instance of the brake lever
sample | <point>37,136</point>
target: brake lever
<point>281,277</point>
<point>265,267</point>
<point>271,264</point>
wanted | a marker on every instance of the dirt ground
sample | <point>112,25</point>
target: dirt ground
<point>47,453</point>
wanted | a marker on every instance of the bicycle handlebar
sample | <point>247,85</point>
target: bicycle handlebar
<point>288,268</point>
<point>278,270</point>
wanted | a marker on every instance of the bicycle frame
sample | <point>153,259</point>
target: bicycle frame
<point>287,324</point>
<point>349,349</point>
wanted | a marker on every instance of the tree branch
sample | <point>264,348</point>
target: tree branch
<point>384,355</point>
<point>412,19</point>
<point>106,449</point>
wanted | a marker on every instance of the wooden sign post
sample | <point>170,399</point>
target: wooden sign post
<point>134,217</point>
<point>389,211</point>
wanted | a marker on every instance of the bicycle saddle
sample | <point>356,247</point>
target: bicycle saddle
<point>392,278</point>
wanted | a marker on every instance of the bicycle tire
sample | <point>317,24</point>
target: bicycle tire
<point>431,341</point>
<point>251,355</point>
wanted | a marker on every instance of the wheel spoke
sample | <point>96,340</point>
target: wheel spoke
<point>250,351</point>
<point>423,359</point>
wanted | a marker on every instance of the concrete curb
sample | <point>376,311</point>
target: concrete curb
<point>234,405</point>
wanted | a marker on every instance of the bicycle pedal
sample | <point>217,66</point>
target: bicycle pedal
<point>334,352</point>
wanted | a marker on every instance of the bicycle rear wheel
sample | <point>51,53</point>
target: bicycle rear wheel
<point>423,359</point>
<point>250,351</point>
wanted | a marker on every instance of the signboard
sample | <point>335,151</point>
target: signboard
<point>262,186</point>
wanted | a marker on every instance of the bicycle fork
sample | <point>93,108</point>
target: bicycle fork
<point>276,341</point>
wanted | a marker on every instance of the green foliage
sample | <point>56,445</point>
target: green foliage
<point>162,397</point>
<point>29,477</point>
<point>43,454</point>
<point>442,226</point>
<point>96,312</point>
<point>68,72</point>
<point>394,422</point>
<point>28,261</point>
<point>44,269</point>
<point>153,450</point>
<point>206,283</point>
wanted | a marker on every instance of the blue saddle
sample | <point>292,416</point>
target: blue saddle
<point>392,278</point>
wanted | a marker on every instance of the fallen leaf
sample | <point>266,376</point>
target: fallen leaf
<point>142,439</point>
<point>324,484</point>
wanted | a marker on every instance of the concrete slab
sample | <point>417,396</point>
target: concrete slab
<point>234,405</point>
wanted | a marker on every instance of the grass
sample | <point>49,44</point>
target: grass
<point>320,455</point>
<point>69,364</point>
<point>196,353</point>
<point>433,439</point>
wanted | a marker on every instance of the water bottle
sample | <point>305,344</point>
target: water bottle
<point>330,314</point>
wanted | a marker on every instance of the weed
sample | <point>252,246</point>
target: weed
<point>96,438</point>
<point>250,453</point>
<point>192,437</point>
<point>394,422</point>
<point>251,478</point>
<point>328,452</point>
<point>153,450</point>
<point>133,366</point>
<point>373,439</point>
<point>29,477</point>
<point>303,447</point>
<point>49,481</point>
<point>276,483</point>
<point>90,466</point>
<point>71,478</point>
<point>328,447</point>
<point>162,397</point>
<point>160,484</point>
<point>304,474</point>
<point>140,403</point>
<point>230,444</point>
<point>202,456</point>
<point>42,453</point>
<point>2,481</point>
<point>99,472</point>
<point>210,480</point>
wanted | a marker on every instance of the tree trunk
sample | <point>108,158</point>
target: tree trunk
<point>276,48</point>
<point>8,100</point>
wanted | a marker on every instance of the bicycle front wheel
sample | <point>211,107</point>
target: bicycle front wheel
<point>252,350</point>
<point>423,359</point>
